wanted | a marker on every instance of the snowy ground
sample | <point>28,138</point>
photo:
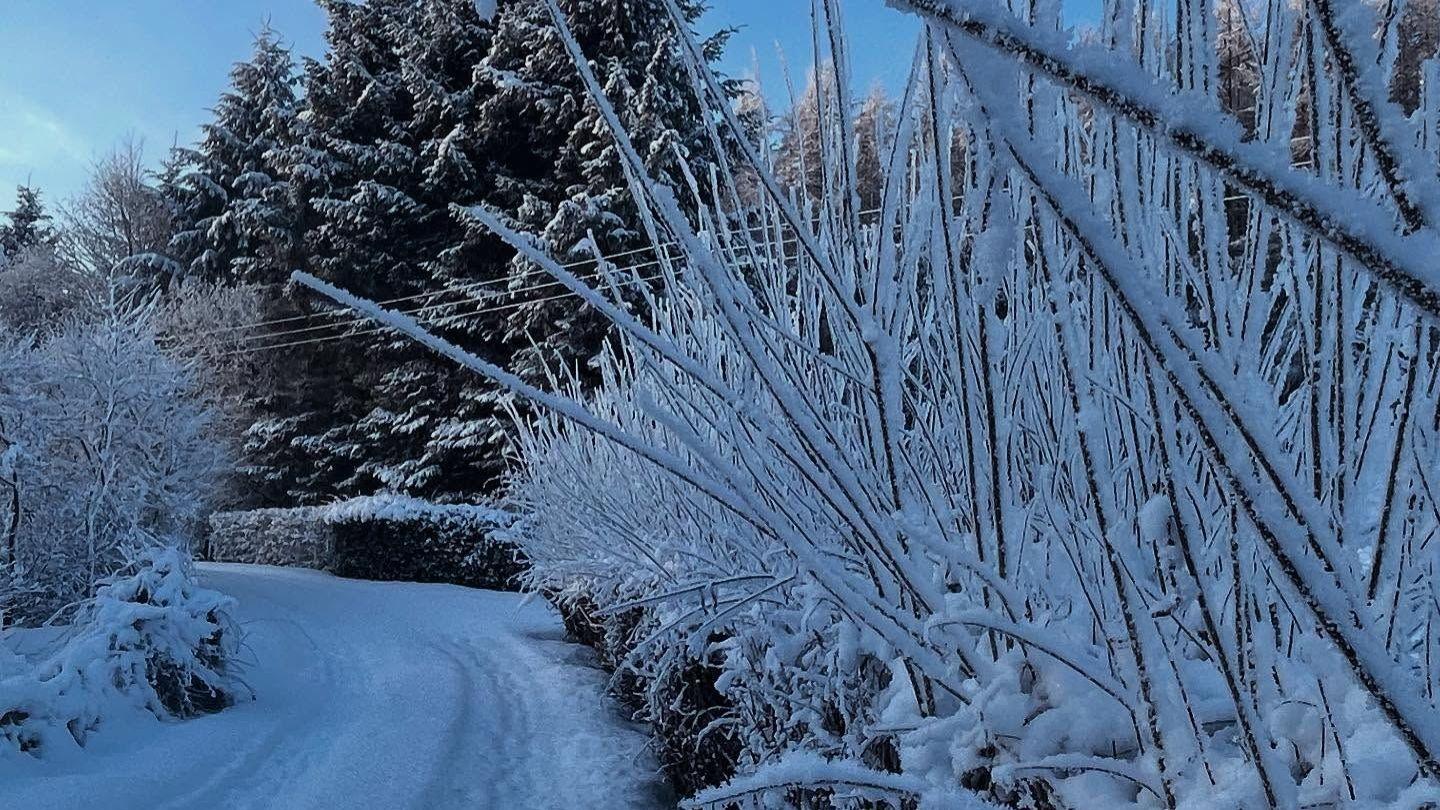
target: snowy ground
<point>374,695</point>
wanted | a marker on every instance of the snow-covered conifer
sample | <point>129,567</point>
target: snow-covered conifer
<point>239,217</point>
<point>28,225</point>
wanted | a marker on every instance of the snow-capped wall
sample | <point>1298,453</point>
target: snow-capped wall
<point>402,508</point>
<point>391,537</point>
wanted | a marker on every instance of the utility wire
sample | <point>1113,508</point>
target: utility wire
<point>463,289</point>
<point>433,321</point>
<point>432,309</point>
<point>470,298</point>
<point>428,311</point>
<point>467,288</point>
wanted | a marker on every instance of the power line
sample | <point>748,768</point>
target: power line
<point>380,329</point>
<point>437,308</point>
<point>424,310</point>
<point>467,288</point>
<point>470,300</point>
<point>430,309</point>
<point>459,288</point>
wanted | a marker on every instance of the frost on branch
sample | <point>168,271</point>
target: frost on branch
<point>1091,467</point>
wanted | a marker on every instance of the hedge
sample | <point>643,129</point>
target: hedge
<point>383,537</point>
<point>391,538</point>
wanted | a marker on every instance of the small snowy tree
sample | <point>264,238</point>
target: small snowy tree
<point>28,227</point>
<point>151,641</point>
<point>106,442</point>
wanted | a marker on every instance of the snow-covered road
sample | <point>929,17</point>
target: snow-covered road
<point>374,695</point>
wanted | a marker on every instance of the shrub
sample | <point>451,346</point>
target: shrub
<point>1110,480</point>
<point>151,640</point>
<point>168,637</point>
<point>382,537</point>
<point>293,537</point>
<point>678,697</point>
<point>103,440</point>
<point>394,538</point>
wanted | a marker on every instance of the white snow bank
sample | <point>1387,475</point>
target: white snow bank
<point>371,694</point>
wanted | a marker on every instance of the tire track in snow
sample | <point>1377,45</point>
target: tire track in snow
<point>447,787</point>
<point>271,747</point>
<point>375,695</point>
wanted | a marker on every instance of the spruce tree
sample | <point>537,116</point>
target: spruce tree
<point>418,111</point>
<point>27,226</point>
<point>462,110</point>
<point>236,205</point>
<point>238,199</point>
<point>390,117</point>
<point>564,179</point>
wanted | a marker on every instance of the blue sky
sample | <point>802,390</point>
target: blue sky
<point>78,75</point>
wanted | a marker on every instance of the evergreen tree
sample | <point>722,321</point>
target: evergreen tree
<point>389,146</point>
<point>235,202</point>
<point>238,200</point>
<point>454,90</point>
<point>418,110</point>
<point>564,179</point>
<point>27,226</point>
<point>37,289</point>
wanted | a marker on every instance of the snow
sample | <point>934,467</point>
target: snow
<point>382,694</point>
<point>1155,518</point>
<point>804,768</point>
<point>1023,521</point>
<point>402,508</point>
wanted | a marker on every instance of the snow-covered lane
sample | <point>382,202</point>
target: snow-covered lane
<point>379,695</point>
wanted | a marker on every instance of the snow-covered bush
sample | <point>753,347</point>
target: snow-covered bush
<point>168,640</point>
<point>391,537</point>
<point>104,441</point>
<point>381,537</point>
<point>209,325</point>
<point>1092,472</point>
<point>290,537</point>
<point>150,641</point>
